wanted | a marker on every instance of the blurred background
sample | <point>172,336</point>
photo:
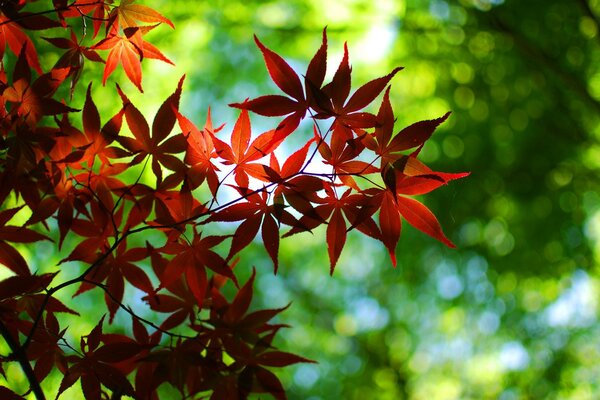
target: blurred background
<point>512,313</point>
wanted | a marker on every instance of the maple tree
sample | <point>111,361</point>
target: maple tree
<point>72,178</point>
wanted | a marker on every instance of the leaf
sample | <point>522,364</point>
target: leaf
<point>415,134</point>
<point>315,73</point>
<point>282,74</point>
<point>7,394</point>
<point>270,383</point>
<point>129,14</point>
<point>280,359</point>
<point>390,223</point>
<point>24,284</point>
<point>18,41</point>
<point>422,218</point>
<point>118,351</point>
<point>368,92</point>
<point>270,237</point>
<point>240,137</point>
<point>241,302</point>
<point>336,237</point>
<point>122,51</point>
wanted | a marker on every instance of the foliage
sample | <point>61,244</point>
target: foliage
<point>81,185</point>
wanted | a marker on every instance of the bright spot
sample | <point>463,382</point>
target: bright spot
<point>376,43</point>
<point>306,375</point>
<point>369,315</point>
<point>514,356</point>
<point>576,306</point>
<point>449,287</point>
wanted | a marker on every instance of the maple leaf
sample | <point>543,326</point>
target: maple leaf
<point>241,152</point>
<point>341,155</point>
<point>9,256</point>
<point>129,14</point>
<point>33,101</point>
<point>288,81</point>
<point>74,57</point>
<point>18,42</point>
<point>199,153</point>
<point>100,225</point>
<point>158,145</point>
<point>392,207</point>
<point>191,259</point>
<point>255,213</point>
<point>387,146</point>
<point>347,113</point>
<point>98,359</point>
<point>128,50</point>
<point>114,271</point>
<point>327,101</point>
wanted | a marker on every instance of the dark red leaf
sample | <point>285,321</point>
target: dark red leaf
<point>368,92</point>
<point>415,134</point>
<point>422,218</point>
<point>336,237</point>
<point>282,74</point>
<point>280,359</point>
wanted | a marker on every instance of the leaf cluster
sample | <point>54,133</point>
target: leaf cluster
<point>76,176</point>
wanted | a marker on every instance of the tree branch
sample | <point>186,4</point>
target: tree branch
<point>19,354</point>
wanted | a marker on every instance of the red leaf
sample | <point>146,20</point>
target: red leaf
<point>244,235</point>
<point>270,106</point>
<point>336,237</point>
<point>195,277</point>
<point>368,92</point>
<point>422,184</point>
<point>17,41</point>
<point>118,351</point>
<point>8,394</point>
<point>282,74</point>
<point>339,88</point>
<point>241,302</point>
<point>415,134</point>
<point>315,73</point>
<point>389,221</point>
<point>280,359</point>
<point>18,234</point>
<point>422,218</point>
<point>240,137</point>
<point>270,237</point>
<point>12,259</point>
<point>270,383</point>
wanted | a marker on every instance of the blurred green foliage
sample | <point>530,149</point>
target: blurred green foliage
<point>513,312</point>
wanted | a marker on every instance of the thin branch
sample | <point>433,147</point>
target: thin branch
<point>19,354</point>
<point>134,315</point>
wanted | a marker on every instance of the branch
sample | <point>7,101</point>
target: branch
<point>134,315</point>
<point>19,354</point>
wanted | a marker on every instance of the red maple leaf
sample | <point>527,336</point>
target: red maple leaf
<point>158,144</point>
<point>191,259</point>
<point>241,153</point>
<point>32,101</point>
<point>9,256</point>
<point>255,213</point>
<point>18,41</point>
<point>129,51</point>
